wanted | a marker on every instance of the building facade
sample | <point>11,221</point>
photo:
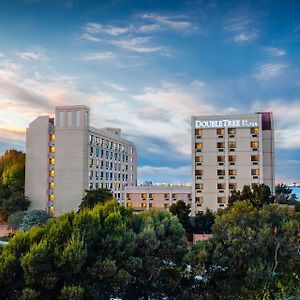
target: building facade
<point>66,156</point>
<point>156,197</point>
<point>228,152</point>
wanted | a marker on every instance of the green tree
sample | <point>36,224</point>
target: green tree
<point>14,220</point>
<point>34,217</point>
<point>102,253</point>
<point>285,195</point>
<point>182,212</point>
<point>252,255</point>
<point>204,222</point>
<point>94,197</point>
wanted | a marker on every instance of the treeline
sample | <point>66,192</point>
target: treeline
<point>12,179</point>
<point>111,252</point>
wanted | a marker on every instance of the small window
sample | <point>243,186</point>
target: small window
<point>254,144</point>
<point>231,144</point>
<point>254,157</point>
<point>199,186</point>
<point>220,172</point>
<point>61,119</point>
<point>143,195</point>
<point>143,204</point>
<point>220,145</point>
<point>166,205</point>
<point>232,172</point>
<point>166,196</point>
<point>220,131</point>
<point>254,130</point>
<point>51,160</point>
<point>52,137</point>
<point>198,145</point>
<point>231,131</point>
<point>199,158</point>
<point>78,117</point>
<point>51,185</point>
<point>221,186</point>
<point>232,158</point>
<point>221,200</point>
<point>199,172</point>
<point>255,172</point>
<point>232,186</point>
<point>51,210</point>
<point>129,204</point>
<point>199,200</point>
<point>51,173</point>
<point>52,149</point>
<point>69,118</point>
<point>221,158</point>
<point>198,132</point>
<point>51,197</point>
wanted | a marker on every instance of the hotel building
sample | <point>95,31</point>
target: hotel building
<point>156,197</point>
<point>228,152</point>
<point>65,157</point>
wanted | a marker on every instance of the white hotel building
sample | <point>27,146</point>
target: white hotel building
<point>65,157</point>
<point>228,152</point>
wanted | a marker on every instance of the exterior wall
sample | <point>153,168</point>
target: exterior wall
<point>156,197</point>
<point>227,139</point>
<point>37,162</point>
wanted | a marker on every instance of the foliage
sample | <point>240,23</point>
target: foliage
<point>15,219</point>
<point>182,211</point>
<point>34,217</point>
<point>252,255</point>
<point>259,195</point>
<point>285,195</point>
<point>204,222</point>
<point>12,178</point>
<point>101,253</point>
<point>94,197</point>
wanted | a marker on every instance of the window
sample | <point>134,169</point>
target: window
<point>86,119</point>
<point>221,158</point>
<point>221,186</point>
<point>199,172</point>
<point>90,173</point>
<point>143,204</point>
<point>151,196</point>
<point>129,204</point>
<point>231,145</point>
<point>232,172</point>
<point>254,157</point>
<point>166,205</point>
<point>254,144</point>
<point>51,173</point>
<point>91,138</point>
<point>232,186</point>
<point>221,145</point>
<point>61,119</point>
<point>51,210</point>
<point>52,149</point>
<point>52,137</point>
<point>51,197</point>
<point>221,200</point>
<point>143,195</point>
<point>91,150</point>
<point>91,161</point>
<point>199,158</point>
<point>97,151</point>
<point>220,131</point>
<point>151,204</point>
<point>231,131</point>
<point>78,115</point>
<point>174,195</point>
<point>255,172</point>
<point>128,196</point>
<point>221,172</point>
<point>91,186</point>
<point>232,158</point>
<point>198,145</point>
<point>199,200</point>
<point>51,160</point>
<point>166,196</point>
<point>254,130</point>
<point>198,132</point>
<point>199,186</point>
<point>69,118</point>
<point>51,185</point>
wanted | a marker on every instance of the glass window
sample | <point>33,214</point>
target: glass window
<point>221,158</point>
<point>52,137</point>
<point>166,196</point>
<point>221,200</point>
<point>255,172</point>
<point>221,145</point>
<point>129,204</point>
<point>232,186</point>
<point>254,157</point>
<point>143,195</point>
<point>199,186</point>
<point>254,144</point>
<point>69,118</point>
<point>231,144</point>
<point>78,116</point>
<point>51,160</point>
<point>220,172</point>
<point>52,149</point>
<point>199,172</point>
<point>199,200</point>
<point>166,205</point>
<point>198,132</point>
<point>86,119</point>
<point>61,119</point>
<point>198,145</point>
<point>232,172</point>
<point>51,197</point>
<point>91,161</point>
<point>143,204</point>
<point>199,158</point>
<point>51,173</point>
<point>220,131</point>
<point>232,158</point>
<point>254,130</point>
<point>221,186</point>
<point>51,185</point>
<point>231,131</point>
<point>51,210</point>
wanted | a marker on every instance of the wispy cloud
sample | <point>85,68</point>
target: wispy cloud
<point>36,53</point>
<point>110,30</point>
<point>114,86</point>
<point>100,56</point>
<point>275,51</point>
<point>138,44</point>
<point>2,54</point>
<point>198,84</point>
<point>245,37</point>
<point>91,38</point>
<point>270,70</point>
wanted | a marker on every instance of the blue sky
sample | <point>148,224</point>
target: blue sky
<point>147,66</point>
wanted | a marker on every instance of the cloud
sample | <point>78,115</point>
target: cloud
<point>138,44</point>
<point>93,28</point>
<point>149,28</point>
<point>13,133</point>
<point>36,53</point>
<point>198,84</point>
<point>91,38</point>
<point>270,70</point>
<point>275,51</point>
<point>100,56</point>
<point>114,86</point>
<point>165,174</point>
<point>8,69</point>
<point>2,54</point>
<point>245,37</point>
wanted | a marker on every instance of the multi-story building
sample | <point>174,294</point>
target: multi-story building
<point>66,157</point>
<point>156,197</point>
<point>228,152</point>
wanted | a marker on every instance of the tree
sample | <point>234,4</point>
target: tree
<point>204,222</point>
<point>252,255</point>
<point>259,195</point>
<point>102,253</point>
<point>94,197</point>
<point>14,220</point>
<point>182,211</point>
<point>285,195</point>
<point>34,217</point>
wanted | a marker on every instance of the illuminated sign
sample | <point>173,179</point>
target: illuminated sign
<point>224,123</point>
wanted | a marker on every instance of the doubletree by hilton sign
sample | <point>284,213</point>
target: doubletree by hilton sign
<point>224,123</point>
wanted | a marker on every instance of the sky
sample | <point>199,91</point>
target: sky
<point>148,66</point>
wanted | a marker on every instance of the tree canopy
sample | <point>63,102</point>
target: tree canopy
<point>94,197</point>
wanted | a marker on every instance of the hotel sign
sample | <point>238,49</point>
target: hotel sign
<point>224,123</point>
